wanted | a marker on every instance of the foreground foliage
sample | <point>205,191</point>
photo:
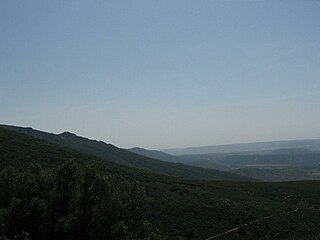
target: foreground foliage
<point>186,209</point>
<point>70,202</point>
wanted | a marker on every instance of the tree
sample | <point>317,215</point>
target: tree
<point>71,202</point>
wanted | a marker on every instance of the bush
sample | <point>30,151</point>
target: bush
<point>70,202</point>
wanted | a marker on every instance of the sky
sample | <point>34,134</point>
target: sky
<point>162,74</point>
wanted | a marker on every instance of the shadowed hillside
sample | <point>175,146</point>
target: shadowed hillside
<point>185,209</point>
<point>188,160</point>
<point>126,158</point>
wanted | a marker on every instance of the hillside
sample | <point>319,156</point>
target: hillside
<point>290,164</point>
<point>188,160</point>
<point>126,158</point>
<point>185,209</point>
<point>156,155</point>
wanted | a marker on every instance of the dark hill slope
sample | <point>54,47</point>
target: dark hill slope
<point>192,209</point>
<point>156,155</point>
<point>20,150</point>
<point>126,158</point>
<point>189,160</point>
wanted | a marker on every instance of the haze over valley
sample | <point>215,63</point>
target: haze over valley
<point>159,120</point>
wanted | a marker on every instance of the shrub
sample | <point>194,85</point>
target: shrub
<point>70,202</point>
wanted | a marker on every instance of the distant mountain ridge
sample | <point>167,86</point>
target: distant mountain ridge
<point>181,208</point>
<point>309,144</point>
<point>275,165</point>
<point>178,159</point>
<point>156,154</point>
<point>120,156</point>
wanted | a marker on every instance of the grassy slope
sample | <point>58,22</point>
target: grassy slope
<point>190,209</point>
<point>126,158</point>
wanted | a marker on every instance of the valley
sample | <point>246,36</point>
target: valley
<point>188,208</point>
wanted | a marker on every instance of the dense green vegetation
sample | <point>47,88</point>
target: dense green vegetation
<point>190,209</point>
<point>70,202</point>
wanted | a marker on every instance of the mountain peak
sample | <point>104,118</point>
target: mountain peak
<point>66,133</point>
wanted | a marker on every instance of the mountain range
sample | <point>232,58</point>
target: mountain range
<point>284,164</point>
<point>181,207</point>
<point>120,156</point>
<point>309,144</point>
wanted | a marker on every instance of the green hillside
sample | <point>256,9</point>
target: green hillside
<point>126,158</point>
<point>185,209</point>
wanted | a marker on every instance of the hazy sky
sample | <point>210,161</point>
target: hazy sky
<point>162,74</point>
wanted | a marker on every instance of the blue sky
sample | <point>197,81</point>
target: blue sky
<point>162,74</point>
